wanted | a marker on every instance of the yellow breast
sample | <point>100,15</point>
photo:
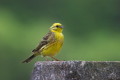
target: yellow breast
<point>53,48</point>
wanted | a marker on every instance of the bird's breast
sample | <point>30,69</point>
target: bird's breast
<point>54,47</point>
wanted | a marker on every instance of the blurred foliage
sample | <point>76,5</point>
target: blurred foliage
<point>92,31</point>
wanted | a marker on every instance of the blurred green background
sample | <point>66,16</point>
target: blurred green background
<point>91,29</point>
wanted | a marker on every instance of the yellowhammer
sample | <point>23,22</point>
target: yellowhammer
<point>50,44</point>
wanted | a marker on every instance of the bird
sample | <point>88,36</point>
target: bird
<point>50,44</point>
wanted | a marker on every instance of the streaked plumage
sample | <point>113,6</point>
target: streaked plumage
<point>50,44</point>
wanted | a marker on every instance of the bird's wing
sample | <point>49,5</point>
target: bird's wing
<point>48,38</point>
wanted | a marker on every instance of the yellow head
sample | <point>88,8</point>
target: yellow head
<point>56,27</point>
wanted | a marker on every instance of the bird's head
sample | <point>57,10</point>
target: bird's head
<point>56,27</point>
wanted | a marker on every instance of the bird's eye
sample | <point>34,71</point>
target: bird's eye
<point>57,26</point>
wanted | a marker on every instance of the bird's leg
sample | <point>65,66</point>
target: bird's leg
<point>55,58</point>
<point>46,58</point>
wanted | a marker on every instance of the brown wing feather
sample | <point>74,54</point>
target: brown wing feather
<point>46,39</point>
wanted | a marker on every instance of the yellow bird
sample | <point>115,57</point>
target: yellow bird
<point>50,44</point>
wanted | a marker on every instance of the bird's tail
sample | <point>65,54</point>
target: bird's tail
<point>29,59</point>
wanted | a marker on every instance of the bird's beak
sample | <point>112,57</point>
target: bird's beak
<point>61,26</point>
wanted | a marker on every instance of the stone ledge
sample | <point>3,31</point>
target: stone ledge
<point>76,70</point>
